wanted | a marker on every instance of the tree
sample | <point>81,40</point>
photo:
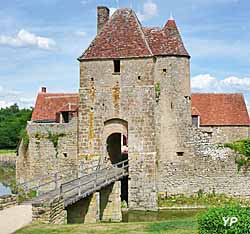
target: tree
<point>12,121</point>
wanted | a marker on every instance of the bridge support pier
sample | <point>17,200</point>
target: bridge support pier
<point>85,210</point>
<point>110,203</point>
<point>50,212</point>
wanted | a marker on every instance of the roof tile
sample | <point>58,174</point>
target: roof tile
<point>123,37</point>
<point>48,104</point>
<point>220,109</point>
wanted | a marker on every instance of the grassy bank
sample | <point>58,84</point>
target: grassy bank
<point>202,199</point>
<point>7,151</point>
<point>180,226</point>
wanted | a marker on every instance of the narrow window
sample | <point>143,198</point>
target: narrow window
<point>180,153</point>
<point>164,70</point>
<point>117,66</point>
<point>196,121</point>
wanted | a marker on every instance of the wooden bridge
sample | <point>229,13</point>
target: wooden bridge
<point>74,185</point>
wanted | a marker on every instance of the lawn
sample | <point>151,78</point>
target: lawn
<point>202,199</point>
<point>7,151</point>
<point>178,226</point>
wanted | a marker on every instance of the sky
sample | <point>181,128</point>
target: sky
<point>40,41</point>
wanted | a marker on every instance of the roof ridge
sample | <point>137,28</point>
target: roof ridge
<point>141,30</point>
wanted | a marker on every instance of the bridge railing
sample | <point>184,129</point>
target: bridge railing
<point>98,178</point>
<point>52,181</point>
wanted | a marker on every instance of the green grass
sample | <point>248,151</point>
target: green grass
<point>180,226</point>
<point>7,151</point>
<point>202,199</point>
<point>242,147</point>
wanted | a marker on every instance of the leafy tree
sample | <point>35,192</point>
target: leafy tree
<point>12,121</point>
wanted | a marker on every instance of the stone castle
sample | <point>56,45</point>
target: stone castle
<point>135,103</point>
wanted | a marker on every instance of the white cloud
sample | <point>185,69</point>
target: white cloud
<point>8,97</point>
<point>208,83</point>
<point>203,82</point>
<point>150,9</point>
<point>81,33</point>
<point>27,39</point>
<point>4,104</point>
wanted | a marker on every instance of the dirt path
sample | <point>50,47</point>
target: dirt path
<point>14,218</point>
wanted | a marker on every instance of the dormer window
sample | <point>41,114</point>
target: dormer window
<point>65,117</point>
<point>117,66</point>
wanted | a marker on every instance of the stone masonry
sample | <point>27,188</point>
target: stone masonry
<point>147,99</point>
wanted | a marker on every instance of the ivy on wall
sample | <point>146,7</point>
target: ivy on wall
<point>157,91</point>
<point>54,138</point>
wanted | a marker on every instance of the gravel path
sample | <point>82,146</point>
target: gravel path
<point>14,218</point>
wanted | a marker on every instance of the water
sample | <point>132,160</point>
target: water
<point>149,216</point>
<point>4,190</point>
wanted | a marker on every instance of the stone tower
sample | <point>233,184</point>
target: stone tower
<point>134,101</point>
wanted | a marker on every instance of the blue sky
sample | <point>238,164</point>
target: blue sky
<point>40,41</point>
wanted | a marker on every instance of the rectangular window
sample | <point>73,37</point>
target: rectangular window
<point>65,117</point>
<point>196,121</point>
<point>117,66</point>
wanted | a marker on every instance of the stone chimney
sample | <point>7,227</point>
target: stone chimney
<point>102,17</point>
<point>44,90</point>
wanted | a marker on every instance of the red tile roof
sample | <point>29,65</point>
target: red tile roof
<point>213,109</point>
<point>166,41</point>
<point>123,37</point>
<point>220,109</point>
<point>48,104</point>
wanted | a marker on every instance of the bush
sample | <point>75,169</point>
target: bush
<point>242,147</point>
<point>212,221</point>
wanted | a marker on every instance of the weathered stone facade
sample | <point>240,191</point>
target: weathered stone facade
<point>148,103</point>
<point>49,212</point>
<point>106,96</point>
<point>52,147</point>
<point>209,168</point>
<point>225,134</point>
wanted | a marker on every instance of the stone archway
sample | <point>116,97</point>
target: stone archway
<point>115,139</point>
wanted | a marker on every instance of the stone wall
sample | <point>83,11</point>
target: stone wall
<point>128,96</point>
<point>209,168</point>
<point>7,201</point>
<point>45,154</point>
<point>225,134</point>
<point>9,158</point>
<point>49,212</point>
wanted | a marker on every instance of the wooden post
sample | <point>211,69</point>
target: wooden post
<point>79,188</point>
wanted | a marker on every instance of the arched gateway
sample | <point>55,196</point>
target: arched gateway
<point>115,138</point>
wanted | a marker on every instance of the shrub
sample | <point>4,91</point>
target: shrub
<point>212,221</point>
<point>25,137</point>
<point>242,147</point>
